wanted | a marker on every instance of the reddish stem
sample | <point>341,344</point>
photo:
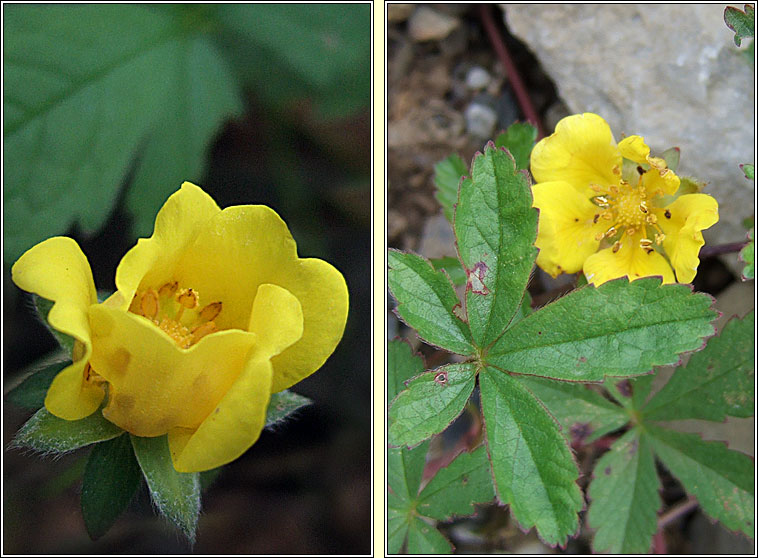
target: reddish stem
<point>519,89</point>
<point>718,249</point>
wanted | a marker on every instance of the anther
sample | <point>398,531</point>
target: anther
<point>202,330</point>
<point>614,189</point>
<point>149,304</point>
<point>630,231</point>
<point>643,207</point>
<point>667,214</point>
<point>645,242</point>
<point>596,217</point>
<point>616,170</point>
<point>188,298</point>
<point>210,311</point>
<point>168,289</point>
<point>652,219</point>
<point>640,170</point>
<point>596,188</point>
<point>616,247</point>
<point>659,238</point>
<point>602,201</point>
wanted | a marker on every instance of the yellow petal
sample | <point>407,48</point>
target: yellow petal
<point>155,385</point>
<point>277,320</point>
<point>682,222</point>
<point>660,179</point>
<point>244,247</point>
<point>153,261</point>
<point>233,426</point>
<point>568,224</point>
<point>580,152</point>
<point>629,260</point>
<point>634,149</point>
<point>57,270</point>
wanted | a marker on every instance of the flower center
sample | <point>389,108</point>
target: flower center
<point>177,312</point>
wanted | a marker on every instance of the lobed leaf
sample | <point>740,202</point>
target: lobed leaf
<point>426,302</point>
<point>402,365</point>
<point>397,529</point>
<point>532,465</point>
<point>495,227</point>
<point>721,479</point>
<point>742,23</point>
<point>283,404</point>
<point>43,307</point>
<point>175,494</point>
<point>616,329</point>
<point>111,478</point>
<point>425,539</point>
<point>452,267</point>
<point>405,468</point>
<point>447,176</point>
<point>47,433</point>
<point>31,393</point>
<point>624,494</point>
<point>430,403</point>
<point>749,171</point>
<point>716,382</point>
<point>747,255</point>
<point>519,140</point>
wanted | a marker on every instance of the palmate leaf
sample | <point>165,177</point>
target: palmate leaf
<point>425,539</point>
<point>495,227</point>
<point>426,302</point>
<point>742,23</point>
<point>31,393</point>
<point>624,494</point>
<point>519,140</point>
<point>447,177</point>
<point>716,382</point>
<point>430,403</point>
<point>402,365</point>
<point>532,465</point>
<point>49,434</point>
<point>721,479</point>
<point>452,267</point>
<point>620,328</point>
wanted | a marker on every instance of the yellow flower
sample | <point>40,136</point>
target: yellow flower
<point>613,210</point>
<point>212,314</point>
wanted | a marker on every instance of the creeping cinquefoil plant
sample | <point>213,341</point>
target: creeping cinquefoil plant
<point>633,226</point>
<point>180,369</point>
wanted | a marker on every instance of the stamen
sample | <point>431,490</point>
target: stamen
<point>667,214</point>
<point>202,330</point>
<point>616,247</point>
<point>168,289</point>
<point>210,311</point>
<point>149,304</point>
<point>630,231</point>
<point>602,201</point>
<point>614,189</point>
<point>645,242</point>
<point>640,170</point>
<point>188,298</point>
<point>616,170</point>
<point>652,219</point>
<point>659,238</point>
<point>643,207</point>
<point>596,188</point>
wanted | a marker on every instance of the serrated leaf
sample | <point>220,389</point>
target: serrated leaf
<point>111,478</point>
<point>425,539</point>
<point>283,404</point>
<point>31,393</point>
<point>721,479</point>
<point>175,494</point>
<point>749,171</point>
<point>452,267</point>
<point>447,177</point>
<point>430,403</point>
<point>426,302</point>
<point>405,468</point>
<point>49,434</point>
<point>397,530</point>
<point>455,489</point>
<point>616,329</point>
<point>742,23</point>
<point>203,94</point>
<point>495,228</point>
<point>716,382</point>
<point>747,255</point>
<point>532,465</point>
<point>519,140</point>
<point>402,365</point>
<point>583,414</point>
<point>671,156</point>
<point>43,307</point>
<point>624,494</point>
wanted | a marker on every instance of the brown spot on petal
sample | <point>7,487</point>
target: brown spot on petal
<point>667,214</point>
<point>118,361</point>
<point>126,402</point>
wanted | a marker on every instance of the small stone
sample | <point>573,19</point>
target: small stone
<point>427,24</point>
<point>480,120</point>
<point>477,78</point>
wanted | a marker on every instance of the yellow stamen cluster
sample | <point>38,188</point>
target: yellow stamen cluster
<point>177,312</point>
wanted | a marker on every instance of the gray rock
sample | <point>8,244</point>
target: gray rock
<point>481,119</point>
<point>427,24</point>
<point>477,78</point>
<point>669,73</point>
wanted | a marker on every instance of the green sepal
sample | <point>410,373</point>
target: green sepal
<point>283,404</point>
<point>447,176</point>
<point>175,494</point>
<point>425,539</point>
<point>532,465</point>
<point>689,185</point>
<point>427,302</point>
<point>747,255</point>
<point>31,392</point>
<point>43,307</point>
<point>111,478</point>
<point>47,433</point>
<point>452,267</point>
<point>716,382</point>
<point>624,495</point>
<point>430,403</point>
<point>519,140</point>
<point>616,329</point>
<point>742,23</point>
<point>495,227</point>
<point>671,156</point>
<point>749,171</point>
<point>721,479</point>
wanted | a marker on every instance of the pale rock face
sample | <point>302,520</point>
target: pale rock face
<point>670,73</point>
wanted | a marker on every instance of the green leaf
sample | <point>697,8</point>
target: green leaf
<point>203,94</point>
<point>624,494</point>
<point>452,267</point>
<point>111,478</point>
<point>519,140</point>
<point>431,402</point>
<point>402,365</point>
<point>447,177</point>
<point>584,414</point>
<point>616,329</point>
<point>455,489</point>
<point>49,434</point>
<point>749,171</point>
<point>397,530</point>
<point>43,307</point>
<point>532,465</point>
<point>425,539</point>
<point>495,228</point>
<point>747,255</point>
<point>427,302</point>
<point>742,23</point>
<point>671,156</point>
<point>721,479</point>
<point>31,393</point>
<point>283,404</point>
<point>404,471</point>
<point>716,382</point>
<point>176,495</point>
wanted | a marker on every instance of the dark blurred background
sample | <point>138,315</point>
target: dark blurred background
<point>305,487</point>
